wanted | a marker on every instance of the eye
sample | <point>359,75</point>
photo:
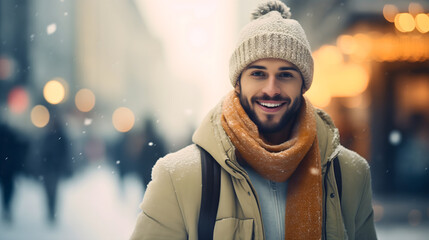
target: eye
<point>285,75</point>
<point>257,73</point>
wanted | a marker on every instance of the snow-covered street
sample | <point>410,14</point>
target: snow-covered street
<point>91,205</point>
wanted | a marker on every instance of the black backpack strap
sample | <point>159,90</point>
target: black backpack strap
<point>210,173</point>
<point>338,179</point>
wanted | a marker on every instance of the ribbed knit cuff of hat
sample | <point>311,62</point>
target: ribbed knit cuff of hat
<point>272,45</point>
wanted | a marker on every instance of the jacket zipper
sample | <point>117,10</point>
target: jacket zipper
<point>325,196</point>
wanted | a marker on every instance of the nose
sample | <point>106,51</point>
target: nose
<point>271,87</point>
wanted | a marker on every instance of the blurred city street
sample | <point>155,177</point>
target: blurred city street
<point>92,205</point>
<point>95,205</point>
<point>93,93</point>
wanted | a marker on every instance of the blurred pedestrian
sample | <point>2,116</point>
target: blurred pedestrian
<point>12,154</point>
<point>275,159</point>
<point>153,149</point>
<point>55,164</point>
<point>126,153</point>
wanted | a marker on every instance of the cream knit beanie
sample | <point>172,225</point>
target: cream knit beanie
<point>272,34</point>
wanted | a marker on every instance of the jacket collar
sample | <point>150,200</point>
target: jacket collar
<point>328,137</point>
<point>211,136</point>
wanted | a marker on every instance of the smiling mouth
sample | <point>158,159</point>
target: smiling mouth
<point>271,106</point>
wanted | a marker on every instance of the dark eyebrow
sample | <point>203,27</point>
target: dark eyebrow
<point>288,68</point>
<point>280,69</point>
<point>256,67</point>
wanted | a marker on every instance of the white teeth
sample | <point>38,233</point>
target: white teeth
<point>270,105</point>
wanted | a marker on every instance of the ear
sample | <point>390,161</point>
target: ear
<point>237,85</point>
<point>302,88</point>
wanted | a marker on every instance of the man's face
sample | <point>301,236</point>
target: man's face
<point>270,92</point>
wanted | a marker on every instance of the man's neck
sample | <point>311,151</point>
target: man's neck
<point>281,136</point>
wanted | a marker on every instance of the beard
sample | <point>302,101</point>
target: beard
<point>288,116</point>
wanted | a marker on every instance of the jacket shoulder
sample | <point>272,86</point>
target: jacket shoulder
<point>171,201</point>
<point>179,164</point>
<point>352,163</point>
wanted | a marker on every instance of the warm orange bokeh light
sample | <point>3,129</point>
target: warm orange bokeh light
<point>319,94</point>
<point>404,22</point>
<point>422,23</point>
<point>329,55</point>
<point>40,116</point>
<point>350,80</point>
<point>364,46</point>
<point>54,92</point>
<point>415,8</point>
<point>123,119</point>
<point>85,100</point>
<point>347,44</point>
<point>389,12</point>
<point>335,78</point>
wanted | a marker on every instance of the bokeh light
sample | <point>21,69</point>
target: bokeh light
<point>123,119</point>
<point>389,12</point>
<point>18,100</point>
<point>422,22</point>
<point>7,67</point>
<point>364,46</point>
<point>329,55</point>
<point>347,44</point>
<point>40,116</point>
<point>352,79</point>
<point>54,92</point>
<point>404,22</point>
<point>85,100</point>
<point>415,8</point>
<point>319,94</point>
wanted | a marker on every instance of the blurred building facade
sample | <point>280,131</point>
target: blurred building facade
<point>372,77</point>
<point>75,63</point>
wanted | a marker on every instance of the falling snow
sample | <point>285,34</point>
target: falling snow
<point>52,28</point>
<point>395,137</point>
<point>118,162</point>
<point>87,121</point>
<point>150,144</point>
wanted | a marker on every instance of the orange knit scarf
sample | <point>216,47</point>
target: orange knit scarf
<point>297,160</point>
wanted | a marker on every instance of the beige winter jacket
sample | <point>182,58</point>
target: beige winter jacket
<point>171,204</point>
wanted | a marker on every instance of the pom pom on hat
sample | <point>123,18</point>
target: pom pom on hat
<point>269,6</point>
<point>272,34</point>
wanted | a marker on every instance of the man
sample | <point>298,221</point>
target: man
<point>274,149</point>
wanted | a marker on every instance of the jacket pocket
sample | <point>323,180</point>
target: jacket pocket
<point>233,228</point>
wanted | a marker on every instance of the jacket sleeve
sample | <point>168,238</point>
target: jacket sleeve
<point>161,216</point>
<point>365,228</point>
